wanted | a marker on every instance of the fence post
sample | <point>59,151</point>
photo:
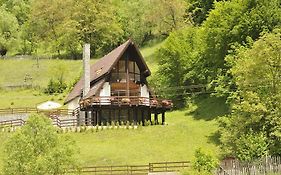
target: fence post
<point>150,167</point>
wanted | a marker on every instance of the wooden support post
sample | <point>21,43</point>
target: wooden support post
<point>100,117</point>
<point>92,117</point>
<point>86,117</point>
<point>110,116</point>
<point>149,115</point>
<point>96,118</point>
<point>129,115</point>
<point>119,115</point>
<point>163,118</point>
<point>142,116</point>
<point>156,118</point>
<point>135,115</point>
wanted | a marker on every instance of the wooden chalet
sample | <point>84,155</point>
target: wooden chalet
<point>118,89</point>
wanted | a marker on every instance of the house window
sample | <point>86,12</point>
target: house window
<point>122,66</point>
<point>131,67</point>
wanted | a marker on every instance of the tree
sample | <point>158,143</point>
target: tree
<point>256,108</point>
<point>96,24</point>
<point>233,22</point>
<point>8,31</point>
<point>178,67</point>
<point>19,8</point>
<point>204,163</point>
<point>51,23</point>
<point>140,20</point>
<point>37,149</point>
<point>199,9</point>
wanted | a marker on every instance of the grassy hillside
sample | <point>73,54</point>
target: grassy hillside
<point>14,71</point>
<point>186,131</point>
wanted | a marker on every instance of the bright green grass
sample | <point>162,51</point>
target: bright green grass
<point>149,53</point>
<point>14,71</point>
<point>187,130</point>
<point>26,98</point>
<point>176,141</point>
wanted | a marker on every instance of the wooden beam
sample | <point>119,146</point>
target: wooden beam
<point>135,115</point>
<point>163,118</point>
<point>142,116</point>
<point>127,76</point>
<point>156,118</point>
<point>129,115</point>
<point>86,117</point>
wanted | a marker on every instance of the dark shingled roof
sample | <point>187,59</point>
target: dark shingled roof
<point>102,67</point>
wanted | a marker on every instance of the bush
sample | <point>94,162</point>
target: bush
<point>127,125</point>
<point>204,163</point>
<point>55,87</point>
<point>37,148</point>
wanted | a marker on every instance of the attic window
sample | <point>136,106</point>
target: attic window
<point>98,71</point>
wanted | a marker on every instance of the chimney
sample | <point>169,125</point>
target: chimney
<point>86,64</point>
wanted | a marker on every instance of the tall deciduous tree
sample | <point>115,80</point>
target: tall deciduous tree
<point>8,31</point>
<point>179,67</point>
<point>97,24</point>
<point>50,22</point>
<point>256,106</point>
<point>37,149</point>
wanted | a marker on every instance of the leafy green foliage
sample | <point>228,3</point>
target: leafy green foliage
<point>38,149</point>
<point>204,162</point>
<point>199,9</point>
<point>8,31</point>
<point>55,86</point>
<point>177,59</point>
<point>251,146</point>
<point>256,102</point>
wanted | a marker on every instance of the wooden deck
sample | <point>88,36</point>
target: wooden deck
<point>127,101</point>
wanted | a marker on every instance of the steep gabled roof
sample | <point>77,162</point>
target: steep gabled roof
<point>103,67</point>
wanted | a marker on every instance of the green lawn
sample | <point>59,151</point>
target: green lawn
<point>175,142</point>
<point>184,133</point>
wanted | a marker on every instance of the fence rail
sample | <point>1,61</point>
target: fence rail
<point>35,110</point>
<point>135,169</point>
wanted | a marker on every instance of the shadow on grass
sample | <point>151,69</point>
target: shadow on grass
<point>214,138</point>
<point>207,107</point>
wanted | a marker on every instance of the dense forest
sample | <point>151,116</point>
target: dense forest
<point>232,46</point>
<point>59,27</point>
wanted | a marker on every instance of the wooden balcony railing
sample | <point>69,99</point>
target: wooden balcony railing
<point>126,101</point>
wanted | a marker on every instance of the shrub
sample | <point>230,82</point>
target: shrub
<point>37,148</point>
<point>204,163</point>
<point>108,125</point>
<point>122,123</point>
<point>113,124</point>
<point>127,125</point>
<point>55,87</point>
<point>92,129</point>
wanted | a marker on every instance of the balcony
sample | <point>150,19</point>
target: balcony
<point>126,101</point>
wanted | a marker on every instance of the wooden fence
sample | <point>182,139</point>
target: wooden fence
<point>264,166</point>
<point>35,110</point>
<point>61,123</point>
<point>134,169</point>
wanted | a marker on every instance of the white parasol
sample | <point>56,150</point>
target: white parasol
<point>49,105</point>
